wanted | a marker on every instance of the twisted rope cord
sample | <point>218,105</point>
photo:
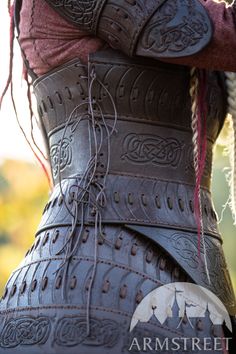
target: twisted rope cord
<point>197,156</point>
<point>231,86</point>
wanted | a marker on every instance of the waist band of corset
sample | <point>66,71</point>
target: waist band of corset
<point>147,176</point>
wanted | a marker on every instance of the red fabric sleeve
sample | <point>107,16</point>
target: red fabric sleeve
<point>220,54</point>
<point>48,40</point>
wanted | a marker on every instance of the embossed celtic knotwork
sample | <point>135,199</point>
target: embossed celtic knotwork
<point>25,331</point>
<point>61,151</point>
<point>80,12</point>
<point>187,249</point>
<point>146,149</point>
<point>73,331</point>
<point>175,27</point>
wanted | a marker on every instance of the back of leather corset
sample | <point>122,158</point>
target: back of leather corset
<point>140,93</point>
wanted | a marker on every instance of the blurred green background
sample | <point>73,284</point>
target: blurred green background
<point>24,191</point>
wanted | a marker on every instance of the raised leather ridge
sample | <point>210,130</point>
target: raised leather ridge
<point>157,29</point>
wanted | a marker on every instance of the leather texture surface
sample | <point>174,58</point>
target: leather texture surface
<point>120,221</point>
<point>157,29</point>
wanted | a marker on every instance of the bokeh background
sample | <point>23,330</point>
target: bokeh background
<point>23,186</point>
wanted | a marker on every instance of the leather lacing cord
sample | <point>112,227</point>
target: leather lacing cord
<point>81,194</point>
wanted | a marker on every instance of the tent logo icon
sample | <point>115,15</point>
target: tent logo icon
<point>180,302</point>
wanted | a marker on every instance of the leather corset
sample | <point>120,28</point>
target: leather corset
<point>148,160</point>
<point>135,117</point>
<point>118,133</point>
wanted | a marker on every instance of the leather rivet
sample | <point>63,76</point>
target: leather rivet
<point>130,199</point>
<point>50,102</point>
<point>106,287</point>
<point>158,202</point>
<point>60,200</point>
<point>73,283</point>
<point>85,236</point>
<point>169,203</point>
<point>46,237</point>
<point>134,94</point>
<point>44,283</point>
<point>139,297</point>
<point>191,206</point>
<point>54,202</point>
<point>5,293</point>
<point>134,249</point>
<point>118,243</point>
<point>101,239</point>
<point>58,282</point>
<point>58,96</point>
<point>23,287</point>
<point>123,292</point>
<point>181,204</point>
<point>54,240</point>
<point>116,197</point>
<point>69,94</point>
<point>149,256</point>
<point>34,285</point>
<point>13,290</point>
<point>144,200</point>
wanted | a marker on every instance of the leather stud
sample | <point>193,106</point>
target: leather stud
<point>13,290</point>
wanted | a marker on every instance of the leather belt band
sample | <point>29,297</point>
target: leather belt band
<point>132,200</point>
<point>136,149</point>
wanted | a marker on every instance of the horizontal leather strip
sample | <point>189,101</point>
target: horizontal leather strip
<point>142,90</point>
<point>131,200</point>
<point>135,149</point>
